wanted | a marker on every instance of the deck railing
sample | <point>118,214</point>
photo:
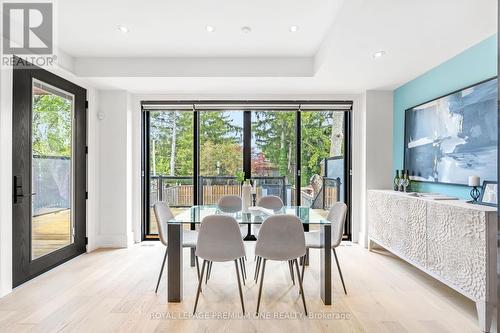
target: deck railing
<point>178,191</point>
<point>328,194</point>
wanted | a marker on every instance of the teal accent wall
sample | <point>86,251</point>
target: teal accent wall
<point>473,65</point>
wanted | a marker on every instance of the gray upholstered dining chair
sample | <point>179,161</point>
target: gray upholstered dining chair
<point>231,204</point>
<point>272,202</point>
<point>219,240</point>
<point>336,216</point>
<point>281,238</point>
<point>189,237</point>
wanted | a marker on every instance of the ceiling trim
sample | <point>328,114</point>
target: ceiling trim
<point>195,67</point>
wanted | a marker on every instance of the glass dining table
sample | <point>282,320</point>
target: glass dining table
<point>195,214</point>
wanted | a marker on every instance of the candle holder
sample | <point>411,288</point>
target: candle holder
<point>474,182</point>
<point>474,194</point>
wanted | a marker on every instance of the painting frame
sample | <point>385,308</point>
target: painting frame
<point>486,184</point>
<point>406,135</point>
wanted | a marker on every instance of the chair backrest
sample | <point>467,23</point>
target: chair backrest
<point>281,237</point>
<point>162,214</point>
<point>270,202</point>
<point>219,239</point>
<point>229,204</point>
<point>337,216</point>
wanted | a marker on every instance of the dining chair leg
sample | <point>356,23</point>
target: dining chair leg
<point>290,268</point>
<point>242,269</point>
<point>199,286</point>
<point>304,258</point>
<point>257,268</point>
<point>161,270</point>
<point>340,271</point>
<point>239,286</point>
<point>208,272</point>
<point>261,282</point>
<point>300,284</point>
<point>198,268</point>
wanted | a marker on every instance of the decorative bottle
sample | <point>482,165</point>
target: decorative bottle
<point>246,196</point>
<point>408,181</point>
<point>396,181</point>
<point>402,181</point>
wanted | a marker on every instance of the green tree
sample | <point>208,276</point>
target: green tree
<point>275,137</point>
<point>171,135</point>
<point>218,128</point>
<point>316,142</point>
<point>274,133</point>
<point>51,127</point>
<point>220,159</point>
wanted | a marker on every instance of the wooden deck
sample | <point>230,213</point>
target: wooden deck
<point>50,232</point>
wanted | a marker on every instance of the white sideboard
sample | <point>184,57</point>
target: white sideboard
<point>453,241</point>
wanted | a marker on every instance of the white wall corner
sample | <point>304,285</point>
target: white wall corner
<point>5,181</point>
<point>359,170</point>
<point>115,227</point>
<point>378,148</point>
<point>136,168</point>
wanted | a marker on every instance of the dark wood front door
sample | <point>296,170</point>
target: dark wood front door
<point>49,171</point>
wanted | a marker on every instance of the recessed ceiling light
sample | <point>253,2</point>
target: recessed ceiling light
<point>123,29</point>
<point>246,29</point>
<point>294,28</point>
<point>210,28</point>
<point>379,54</point>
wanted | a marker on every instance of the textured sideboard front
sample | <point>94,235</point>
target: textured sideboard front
<point>452,241</point>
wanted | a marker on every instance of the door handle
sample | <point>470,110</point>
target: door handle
<point>18,190</point>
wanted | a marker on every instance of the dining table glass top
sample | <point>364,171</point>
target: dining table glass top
<point>195,214</point>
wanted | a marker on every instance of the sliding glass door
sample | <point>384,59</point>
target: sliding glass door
<point>170,162</point>
<point>274,147</point>
<point>323,147</point>
<point>221,154</point>
<point>197,155</point>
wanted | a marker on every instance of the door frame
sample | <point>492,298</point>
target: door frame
<point>23,267</point>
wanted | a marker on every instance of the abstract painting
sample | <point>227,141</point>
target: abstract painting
<point>453,137</point>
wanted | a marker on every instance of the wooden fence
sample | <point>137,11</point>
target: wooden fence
<point>182,195</point>
<point>331,196</point>
<point>178,195</point>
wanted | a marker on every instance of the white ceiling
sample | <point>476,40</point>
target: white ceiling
<point>178,28</point>
<point>338,41</point>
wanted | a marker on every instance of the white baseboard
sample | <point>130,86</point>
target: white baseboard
<point>111,241</point>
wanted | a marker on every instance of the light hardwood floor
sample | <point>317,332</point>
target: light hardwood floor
<point>113,291</point>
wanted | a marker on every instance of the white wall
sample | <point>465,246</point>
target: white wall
<point>378,110</point>
<point>5,181</point>
<point>115,170</point>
